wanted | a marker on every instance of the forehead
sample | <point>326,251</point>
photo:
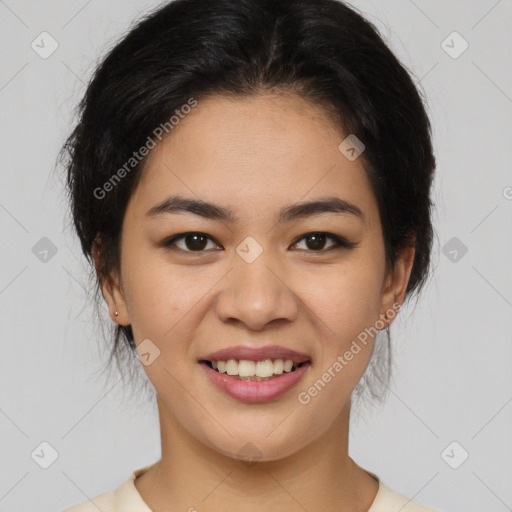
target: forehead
<point>253,151</point>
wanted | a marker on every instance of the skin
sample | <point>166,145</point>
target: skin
<point>254,155</point>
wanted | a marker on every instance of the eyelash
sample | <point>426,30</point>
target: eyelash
<point>340,242</point>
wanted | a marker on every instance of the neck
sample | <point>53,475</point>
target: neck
<point>319,476</point>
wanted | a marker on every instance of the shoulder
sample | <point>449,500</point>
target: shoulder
<point>388,500</point>
<point>125,498</point>
<point>105,502</point>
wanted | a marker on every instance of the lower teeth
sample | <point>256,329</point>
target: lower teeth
<point>257,379</point>
<point>254,378</point>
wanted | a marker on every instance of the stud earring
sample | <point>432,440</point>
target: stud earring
<point>116,314</point>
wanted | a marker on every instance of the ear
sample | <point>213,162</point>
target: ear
<point>111,289</point>
<point>395,283</point>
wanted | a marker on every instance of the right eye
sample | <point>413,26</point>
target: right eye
<point>191,241</point>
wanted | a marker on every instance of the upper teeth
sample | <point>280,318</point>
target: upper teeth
<point>246,368</point>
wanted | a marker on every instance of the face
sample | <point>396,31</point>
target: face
<point>258,276</point>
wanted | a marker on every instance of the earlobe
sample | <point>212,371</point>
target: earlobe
<point>115,300</point>
<point>396,283</point>
<point>405,263</point>
<point>111,290</point>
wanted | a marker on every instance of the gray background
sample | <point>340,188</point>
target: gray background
<point>453,351</point>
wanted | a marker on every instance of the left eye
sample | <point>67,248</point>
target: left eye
<point>315,242</point>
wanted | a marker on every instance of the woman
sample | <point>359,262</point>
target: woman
<point>251,180</point>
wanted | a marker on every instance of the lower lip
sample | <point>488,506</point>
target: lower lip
<point>255,391</point>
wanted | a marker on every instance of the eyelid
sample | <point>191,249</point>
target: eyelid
<point>170,242</point>
<point>340,242</point>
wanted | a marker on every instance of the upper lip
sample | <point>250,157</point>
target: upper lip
<point>257,354</point>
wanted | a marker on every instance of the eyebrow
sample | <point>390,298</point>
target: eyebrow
<point>179,204</point>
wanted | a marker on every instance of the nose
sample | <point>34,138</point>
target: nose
<point>256,294</point>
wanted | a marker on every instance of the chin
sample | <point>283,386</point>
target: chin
<point>258,444</point>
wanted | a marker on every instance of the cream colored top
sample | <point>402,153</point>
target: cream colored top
<point>126,498</point>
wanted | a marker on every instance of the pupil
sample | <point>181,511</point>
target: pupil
<point>198,242</point>
<point>317,239</point>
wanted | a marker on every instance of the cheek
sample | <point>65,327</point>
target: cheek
<point>159,295</point>
<point>347,298</point>
<point>346,304</point>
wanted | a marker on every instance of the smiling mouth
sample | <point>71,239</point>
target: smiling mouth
<point>248,370</point>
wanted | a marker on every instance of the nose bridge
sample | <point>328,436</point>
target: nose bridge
<point>254,293</point>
